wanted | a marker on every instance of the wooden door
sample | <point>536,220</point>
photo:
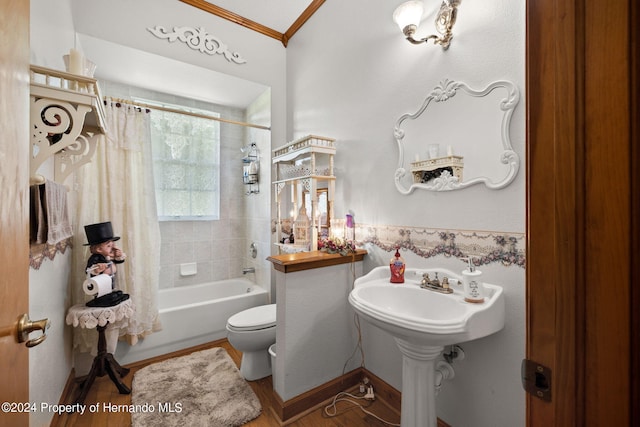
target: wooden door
<point>582,209</point>
<point>14,204</point>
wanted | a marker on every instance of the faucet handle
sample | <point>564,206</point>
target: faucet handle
<point>425,280</point>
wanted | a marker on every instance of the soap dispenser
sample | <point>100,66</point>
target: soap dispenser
<point>473,289</point>
<point>397,267</point>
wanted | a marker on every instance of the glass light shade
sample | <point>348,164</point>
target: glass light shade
<point>409,13</point>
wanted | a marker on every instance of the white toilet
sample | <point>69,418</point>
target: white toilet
<point>252,332</point>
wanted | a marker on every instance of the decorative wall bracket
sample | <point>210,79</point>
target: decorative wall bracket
<point>57,128</point>
<point>446,179</point>
<point>66,117</point>
<point>198,39</point>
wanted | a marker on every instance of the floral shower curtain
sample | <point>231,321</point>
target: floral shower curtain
<point>117,186</point>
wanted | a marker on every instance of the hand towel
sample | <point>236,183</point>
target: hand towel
<point>38,222</point>
<point>57,216</point>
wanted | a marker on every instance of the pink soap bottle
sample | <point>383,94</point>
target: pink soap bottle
<point>397,266</point>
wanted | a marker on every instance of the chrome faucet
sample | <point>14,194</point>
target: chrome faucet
<point>436,284</point>
<point>248,270</point>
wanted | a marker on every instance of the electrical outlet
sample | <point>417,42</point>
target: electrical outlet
<point>370,395</point>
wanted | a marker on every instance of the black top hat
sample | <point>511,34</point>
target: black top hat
<point>99,233</point>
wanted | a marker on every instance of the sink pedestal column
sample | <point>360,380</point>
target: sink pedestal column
<point>418,384</point>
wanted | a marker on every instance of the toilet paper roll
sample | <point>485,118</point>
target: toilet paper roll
<point>97,285</point>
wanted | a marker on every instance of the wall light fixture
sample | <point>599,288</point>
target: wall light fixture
<point>409,14</point>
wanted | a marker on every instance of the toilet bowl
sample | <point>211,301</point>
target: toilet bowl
<point>252,332</point>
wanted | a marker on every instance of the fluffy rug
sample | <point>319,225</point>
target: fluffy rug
<point>204,388</point>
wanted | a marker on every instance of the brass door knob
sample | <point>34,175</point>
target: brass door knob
<point>26,326</point>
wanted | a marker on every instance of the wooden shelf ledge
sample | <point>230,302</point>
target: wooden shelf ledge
<point>288,263</point>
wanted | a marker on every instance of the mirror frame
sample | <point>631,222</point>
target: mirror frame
<point>445,90</point>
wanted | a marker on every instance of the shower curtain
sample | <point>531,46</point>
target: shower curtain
<point>117,186</point>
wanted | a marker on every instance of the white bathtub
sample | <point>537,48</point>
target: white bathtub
<point>193,315</point>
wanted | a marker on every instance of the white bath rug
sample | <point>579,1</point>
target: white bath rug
<point>204,388</point>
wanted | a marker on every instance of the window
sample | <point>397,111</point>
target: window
<point>186,165</point>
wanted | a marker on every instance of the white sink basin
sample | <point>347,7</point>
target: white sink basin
<point>423,316</point>
<point>422,322</point>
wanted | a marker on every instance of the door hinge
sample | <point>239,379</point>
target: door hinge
<point>536,379</point>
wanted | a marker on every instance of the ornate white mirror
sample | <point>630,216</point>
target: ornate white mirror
<point>462,140</point>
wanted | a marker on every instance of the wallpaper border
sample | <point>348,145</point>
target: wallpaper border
<point>485,247</point>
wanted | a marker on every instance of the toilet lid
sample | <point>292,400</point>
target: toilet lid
<point>260,317</point>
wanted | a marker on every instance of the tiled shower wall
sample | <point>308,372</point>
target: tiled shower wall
<point>213,245</point>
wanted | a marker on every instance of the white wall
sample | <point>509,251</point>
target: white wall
<point>51,361</point>
<point>350,76</point>
<point>313,340</point>
<point>257,207</point>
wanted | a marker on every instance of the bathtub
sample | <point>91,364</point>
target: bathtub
<point>193,315</point>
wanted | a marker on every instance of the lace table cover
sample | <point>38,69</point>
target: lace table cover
<point>90,317</point>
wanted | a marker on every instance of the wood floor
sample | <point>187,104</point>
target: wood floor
<point>103,390</point>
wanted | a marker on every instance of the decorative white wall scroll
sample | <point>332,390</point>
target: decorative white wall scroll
<point>198,39</point>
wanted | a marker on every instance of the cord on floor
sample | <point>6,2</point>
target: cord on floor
<point>331,410</point>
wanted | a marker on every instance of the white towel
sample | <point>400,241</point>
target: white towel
<point>55,206</point>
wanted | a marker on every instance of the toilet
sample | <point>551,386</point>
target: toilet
<point>252,332</point>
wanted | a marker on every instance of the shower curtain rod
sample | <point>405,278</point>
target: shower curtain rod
<point>186,113</point>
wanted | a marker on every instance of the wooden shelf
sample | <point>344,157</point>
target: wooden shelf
<point>288,263</point>
<point>72,88</point>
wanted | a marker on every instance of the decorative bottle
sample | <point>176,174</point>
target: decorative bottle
<point>473,288</point>
<point>349,228</point>
<point>397,266</point>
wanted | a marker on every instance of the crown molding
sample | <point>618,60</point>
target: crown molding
<point>255,26</point>
<point>302,19</point>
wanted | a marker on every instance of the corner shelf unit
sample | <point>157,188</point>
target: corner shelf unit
<point>305,166</point>
<point>67,115</point>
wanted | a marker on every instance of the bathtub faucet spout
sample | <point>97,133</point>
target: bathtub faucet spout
<point>248,270</point>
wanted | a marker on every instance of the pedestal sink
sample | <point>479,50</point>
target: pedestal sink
<point>423,322</point>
